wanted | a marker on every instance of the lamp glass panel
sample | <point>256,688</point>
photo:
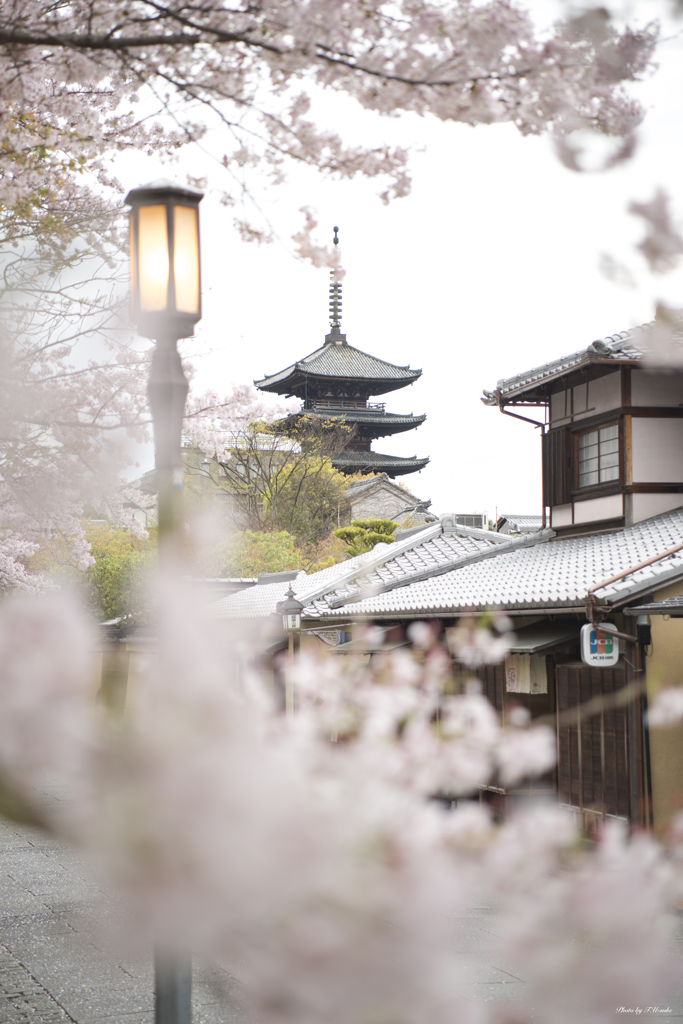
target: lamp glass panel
<point>133,254</point>
<point>186,259</point>
<point>153,258</point>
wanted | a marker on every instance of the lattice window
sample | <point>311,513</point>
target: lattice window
<point>599,456</point>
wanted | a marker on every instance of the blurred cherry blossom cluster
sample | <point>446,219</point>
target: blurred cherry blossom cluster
<point>667,707</point>
<point>330,858</point>
<point>82,81</point>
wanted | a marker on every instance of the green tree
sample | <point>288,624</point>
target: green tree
<point>107,539</point>
<point>116,585</point>
<point>119,586</point>
<point>250,553</point>
<point>279,477</point>
<point>363,534</point>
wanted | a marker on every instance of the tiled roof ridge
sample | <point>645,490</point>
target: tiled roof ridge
<point>530,540</point>
<point>452,527</point>
<point>393,550</point>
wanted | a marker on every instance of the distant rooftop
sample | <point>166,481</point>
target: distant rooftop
<point>445,569</point>
<point>509,523</point>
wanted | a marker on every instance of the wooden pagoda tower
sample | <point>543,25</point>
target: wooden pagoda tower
<point>337,381</point>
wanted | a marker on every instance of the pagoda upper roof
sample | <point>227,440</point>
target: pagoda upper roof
<point>337,360</point>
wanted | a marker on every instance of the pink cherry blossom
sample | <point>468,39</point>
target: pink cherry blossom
<point>667,707</point>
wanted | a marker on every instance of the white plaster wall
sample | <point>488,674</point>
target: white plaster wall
<point>561,515</point>
<point>644,506</point>
<point>656,451</point>
<point>595,509</point>
<point>656,389</point>
<point>604,394</point>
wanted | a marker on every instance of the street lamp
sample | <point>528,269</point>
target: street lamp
<point>291,610</point>
<point>165,275</point>
<point>165,304</point>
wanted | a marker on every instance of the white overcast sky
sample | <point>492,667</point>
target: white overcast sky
<point>488,268</point>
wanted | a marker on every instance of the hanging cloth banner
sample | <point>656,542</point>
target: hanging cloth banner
<point>526,673</point>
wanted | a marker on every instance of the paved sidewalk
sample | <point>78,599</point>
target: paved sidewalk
<point>53,968</point>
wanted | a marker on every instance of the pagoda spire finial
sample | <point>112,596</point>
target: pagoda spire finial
<point>335,297</point>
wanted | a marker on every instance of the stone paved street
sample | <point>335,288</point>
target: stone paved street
<point>53,968</point>
<point>22,998</point>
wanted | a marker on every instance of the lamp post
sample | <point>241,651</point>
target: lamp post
<point>165,279</point>
<point>291,610</point>
<point>165,304</point>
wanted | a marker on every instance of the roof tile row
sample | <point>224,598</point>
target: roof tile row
<point>445,569</point>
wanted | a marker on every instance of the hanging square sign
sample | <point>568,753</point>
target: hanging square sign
<point>598,648</point>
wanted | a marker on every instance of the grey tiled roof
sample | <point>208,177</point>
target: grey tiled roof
<point>375,460</point>
<point>444,569</point>
<point>525,520</point>
<point>256,602</point>
<point>340,360</point>
<point>626,345</point>
<point>429,551</point>
<point>433,548</point>
<point>524,575</point>
<point>670,606</point>
<point>519,524</point>
<point>261,601</point>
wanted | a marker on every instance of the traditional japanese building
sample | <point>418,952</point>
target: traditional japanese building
<point>613,558</point>
<point>338,381</point>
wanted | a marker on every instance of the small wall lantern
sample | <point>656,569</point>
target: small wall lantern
<point>164,257</point>
<point>291,612</point>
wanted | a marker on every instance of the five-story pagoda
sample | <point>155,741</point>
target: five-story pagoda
<point>337,381</point>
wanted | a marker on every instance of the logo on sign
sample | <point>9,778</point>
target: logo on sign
<point>601,642</point>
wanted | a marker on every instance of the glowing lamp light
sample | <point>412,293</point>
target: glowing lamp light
<point>165,269</point>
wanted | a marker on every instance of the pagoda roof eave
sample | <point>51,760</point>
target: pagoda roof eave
<point>340,362</point>
<point>374,462</point>
<point>379,424</point>
<point>296,383</point>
